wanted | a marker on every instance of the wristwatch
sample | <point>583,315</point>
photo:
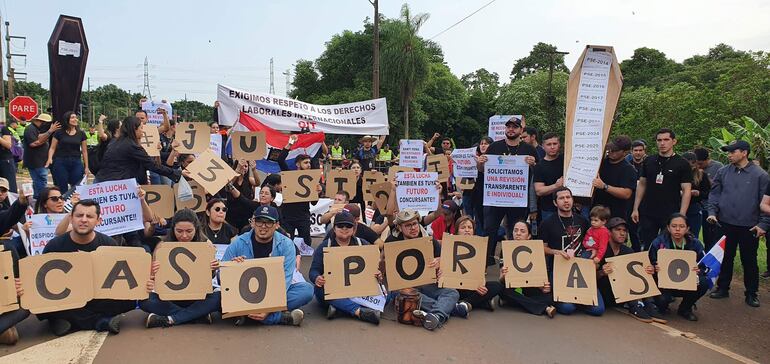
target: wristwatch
<point>606,187</point>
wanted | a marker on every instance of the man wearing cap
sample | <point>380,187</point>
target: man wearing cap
<point>642,311</point>
<point>493,216</point>
<point>36,150</point>
<point>343,234</point>
<point>436,304</point>
<point>264,241</point>
<point>367,151</point>
<point>733,204</point>
<point>617,178</point>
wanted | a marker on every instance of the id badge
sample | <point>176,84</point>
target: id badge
<point>659,178</point>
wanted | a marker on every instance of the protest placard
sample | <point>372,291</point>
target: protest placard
<point>676,269</point>
<point>150,140</point>
<point>7,282</point>
<point>439,164</point>
<point>506,181</point>
<point>316,211</point>
<point>525,260</point>
<point>120,205</point>
<point>350,271</point>
<point>371,178</point>
<point>193,137</point>
<point>574,281</point>
<point>250,146</point>
<point>376,303</point>
<point>463,262</point>
<point>466,184</point>
<point>120,273</point>
<point>153,116</point>
<point>341,180</point>
<point>496,129</point>
<point>252,286</point>
<point>300,186</point>
<point>380,195</point>
<point>417,190</point>
<point>42,230</point>
<point>395,169</point>
<point>211,172</point>
<point>410,153</point>
<point>56,281</point>
<point>368,117</point>
<point>464,163</point>
<point>197,203</point>
<point>185,270</point>
<point>406,263</point>
<point>160,198</point>
<point>215,144</point>
<point>628,279</point>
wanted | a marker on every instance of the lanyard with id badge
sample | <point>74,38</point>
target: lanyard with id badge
<point>661,166</point>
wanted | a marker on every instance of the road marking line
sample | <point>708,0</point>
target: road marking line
<point>674,332</point>
<point>79,347</point>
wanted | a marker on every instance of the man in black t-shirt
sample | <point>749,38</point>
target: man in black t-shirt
<point>296,215</point>
<point>664,188</point>
<point>98,314</point>
<point>617,178</point>
<point>493,216</point>
<point>36,150</point>
<point>549,175</point>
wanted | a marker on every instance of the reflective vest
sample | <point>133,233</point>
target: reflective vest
<point>92,139</point>
<point>336,153</point>
<point>385,155</point>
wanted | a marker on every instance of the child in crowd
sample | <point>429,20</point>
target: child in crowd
<point>598,236</point>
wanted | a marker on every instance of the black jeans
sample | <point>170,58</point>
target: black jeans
<point>86,318</point>
<point>649,229</point>
<point>533,300</point>
<point>493,216</point>
<point>10,319</point>
<point>303,229</point>
<point>688,297</point>
<point>476,300</point>
<point>740,237</point>
<point>710,231</point>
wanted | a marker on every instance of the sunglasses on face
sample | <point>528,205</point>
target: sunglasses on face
<point>56,198</point>
<point>222,209</point>
<point>343,226</point>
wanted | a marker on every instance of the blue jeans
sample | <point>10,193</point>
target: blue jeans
<point>694,219</point>
<point>570,308</point>
<point>298,295</point>
<point>67,172</point>
<point>439,301</point>
<point>155,178</point>
<point>8,171</point>
<point>342,304</point>
<point>493,216</point>
<point>468,205</point>
<point>39,179</point>
<point>182,311</point>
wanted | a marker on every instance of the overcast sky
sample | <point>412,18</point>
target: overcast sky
<point>192,45</point>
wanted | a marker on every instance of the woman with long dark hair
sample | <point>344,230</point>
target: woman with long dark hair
<point>185,228</point>
<point>125,158</point>
<point>64,157</point>
<point>216,229</point>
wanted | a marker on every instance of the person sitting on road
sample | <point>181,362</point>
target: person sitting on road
<point>481,297</point>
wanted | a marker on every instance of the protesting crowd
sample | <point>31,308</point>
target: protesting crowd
<point>654,204</point>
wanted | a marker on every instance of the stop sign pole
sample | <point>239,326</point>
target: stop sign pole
<point>23,108</point>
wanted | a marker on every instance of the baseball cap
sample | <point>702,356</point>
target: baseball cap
<point>44,118</point>
<point>514,120</point>
<point>406,215</point>
<point>266,212</point>
<point>352,209</point>
<point>4,183</point>
<point>449,205</point>
<point>615,222</point>
<point>738,144</point>
<point>344,218</point>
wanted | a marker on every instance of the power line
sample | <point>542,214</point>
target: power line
<point>463,19</point>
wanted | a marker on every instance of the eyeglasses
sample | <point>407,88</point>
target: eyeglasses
<point>222,209</point>
<point>56,198</point>
<point>410,225</point>
<point>262,223</point>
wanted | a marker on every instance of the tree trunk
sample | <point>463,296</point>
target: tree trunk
<point>406,119</point>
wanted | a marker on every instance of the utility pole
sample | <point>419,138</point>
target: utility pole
<point>2,86</point>
<point>146,89</point>
<point>376,50</point>
<point>288,81</point>
<point>8,56</point>
<point>272,85</point>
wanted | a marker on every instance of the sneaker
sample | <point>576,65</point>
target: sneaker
<point>550,311</point>
<point>205,319</point>
<point>420,314</point>
<point>368,315</point>
<point>60,327</point>
<point>113,325</point>
<point>331,312</point>
<point>639,313</point>
<point>765,275</point>
<point>718,293</point>
<point>654,313</point>
<point>462,309</point>
<point>688,315</point>
<point>293,318</point>
<point>10,336</point>
<point>240,321</point>
<point>752,300</point>
<point>154,320</point>
<point>431,322</point>
<point>494,303</point>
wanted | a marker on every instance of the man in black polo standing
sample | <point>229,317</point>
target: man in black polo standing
<point>734,203</point>
<point>617,178</point>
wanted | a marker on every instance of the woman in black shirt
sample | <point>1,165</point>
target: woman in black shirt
<point>216,229</point>
<point>64,156</point>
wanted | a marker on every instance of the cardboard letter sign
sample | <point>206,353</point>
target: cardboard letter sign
<point>253,286</point>
<point>463,261</point>
<point>525,260</point>
<point>300,186</point>
<point>381,193</point>
<point>150,141</point>
<point>371,178</point>
<point>676,269</point>
<point>438,163</point>
<point>121,273</point>
<point>250,146</point>
<point>193,137</point>
<point>7,282</point>
<point>211,172</point>
<point>349,271</point>
<point>628,278</point>
<point>56,281</point>
<point>395,169</point>
<point>160,198</point>
<point>185,270</point>
<point>341,180</point>
<point>406,263</point>
<point>574,281</point>
<point>197,203</point>
<point>466,184</point>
